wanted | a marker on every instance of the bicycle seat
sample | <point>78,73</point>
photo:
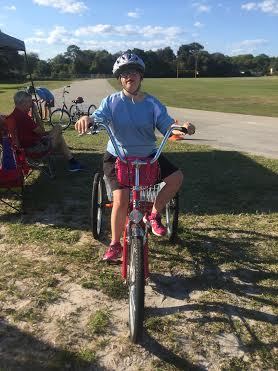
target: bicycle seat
<point>78,100</point>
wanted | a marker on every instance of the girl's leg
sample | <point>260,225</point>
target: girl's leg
<point>173,184</point>
<point>118,217</point>
<point>119,212</point>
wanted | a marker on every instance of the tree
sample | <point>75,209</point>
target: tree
<point>43,69</point>
<point>102,63</point>
<point>262,63</point>
<point>72,53</point>
<point>60,66</point>
<point>167,60</point>
<point>188,56</point>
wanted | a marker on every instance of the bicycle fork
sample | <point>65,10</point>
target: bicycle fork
<point>135,227</point>
<point>132,231</point>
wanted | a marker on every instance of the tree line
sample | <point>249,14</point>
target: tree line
<point>191,60</point>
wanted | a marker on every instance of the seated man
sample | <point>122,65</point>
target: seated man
<point>2,119</point>
<point>46,100</point>
<point>31,134</point>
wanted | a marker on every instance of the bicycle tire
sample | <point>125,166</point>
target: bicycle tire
<point>98,206</point>
<point>61,117</point>
<point>136,287</point>
<point>74,113</point>
<point>91,109</point>
<point>172,217</point>
<point>72,109</point>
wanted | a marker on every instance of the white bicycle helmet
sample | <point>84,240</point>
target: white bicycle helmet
<point>126,61</point>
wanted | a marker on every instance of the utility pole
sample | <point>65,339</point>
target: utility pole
<point>196,55</point>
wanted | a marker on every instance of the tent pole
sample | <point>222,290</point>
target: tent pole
<point>32,83</point>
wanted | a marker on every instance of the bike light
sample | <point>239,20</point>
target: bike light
<point>135,216</point>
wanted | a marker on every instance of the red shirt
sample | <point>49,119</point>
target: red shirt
<point>25,126</point>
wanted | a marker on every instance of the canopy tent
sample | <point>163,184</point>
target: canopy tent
<point>11,43</point>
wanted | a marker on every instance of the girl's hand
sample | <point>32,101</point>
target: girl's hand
<point>190,128</point>
<point>83,124</point>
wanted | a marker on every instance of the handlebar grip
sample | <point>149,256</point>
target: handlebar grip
<point>184,130</point>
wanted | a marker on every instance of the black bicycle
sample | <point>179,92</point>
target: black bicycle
<point>65,116</point>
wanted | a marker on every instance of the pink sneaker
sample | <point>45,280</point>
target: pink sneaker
<point>113,253</point>
<point>158,228</point>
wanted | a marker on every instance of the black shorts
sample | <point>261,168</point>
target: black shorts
<point>166,169</point>
<point>50,103</point>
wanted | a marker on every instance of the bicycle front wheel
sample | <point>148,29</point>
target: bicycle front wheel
<point>172,217</point>
<point>136,284</point>
<point>91,109</point>
<point>61,117</point>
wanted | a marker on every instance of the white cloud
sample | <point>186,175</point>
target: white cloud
<point>135,14</point>
<point>151,31</point>
<point>109,37</point>
<point>130,30</point>
<point>59,35</point>
<point>201,7</point>
<point>267,6</point>
<point>65,6</point>
<point>198,24</point>
<point>247,46</point>
<point>10,7</point>
<point>249,6</point>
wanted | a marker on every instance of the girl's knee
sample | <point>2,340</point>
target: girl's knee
<point>175,178</point>
<point>120,198</point>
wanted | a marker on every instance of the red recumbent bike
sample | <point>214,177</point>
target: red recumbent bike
<point>141,176</point>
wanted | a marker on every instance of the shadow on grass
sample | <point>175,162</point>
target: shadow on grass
<point>244,273</point>
<point>219,182</point>
<point>21,351</point>
<point>211,287</point>
<point>216,182</point>
<point>166,355</point>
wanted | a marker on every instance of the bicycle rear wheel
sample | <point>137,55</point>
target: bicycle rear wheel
<point>61,117</point>
<point>172,217</point>
<point>99,199</point>
<point>75,113</point>
<point>136,284</point>
<point>91,109</point>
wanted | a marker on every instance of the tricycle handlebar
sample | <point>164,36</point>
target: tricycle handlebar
<point>98,123</point>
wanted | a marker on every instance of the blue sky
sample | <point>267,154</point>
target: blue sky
<point>230,27</point>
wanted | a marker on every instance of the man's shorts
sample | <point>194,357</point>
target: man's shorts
<point>166,169</point>
<point>50,103</point>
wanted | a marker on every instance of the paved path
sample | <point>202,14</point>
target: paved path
<point>244,133</point>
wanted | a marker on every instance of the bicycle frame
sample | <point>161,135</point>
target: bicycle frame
<point>64,106</point>
<point>134,222</point>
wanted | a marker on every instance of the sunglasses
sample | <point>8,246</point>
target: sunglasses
<point>125,74</point>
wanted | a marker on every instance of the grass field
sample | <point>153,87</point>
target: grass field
<point>252,96</point>
<point>212,299</point>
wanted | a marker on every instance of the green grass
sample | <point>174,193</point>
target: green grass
<point>99,322</point>
<point>251,96</point>
<point>216,286</point>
